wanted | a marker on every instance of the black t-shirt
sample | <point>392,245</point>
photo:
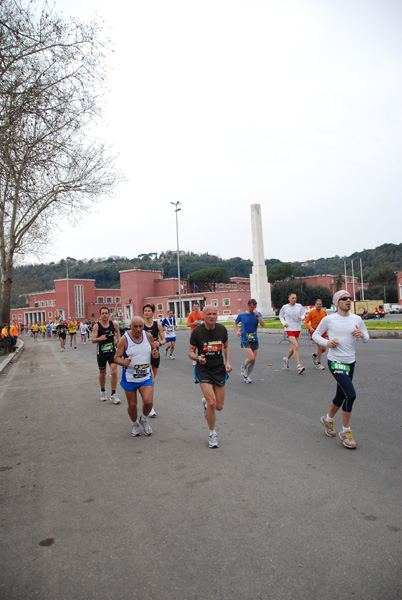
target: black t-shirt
<point>153,330</point>
<point>107,346</point>
<point>210,342</point>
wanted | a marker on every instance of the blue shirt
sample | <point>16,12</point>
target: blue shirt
<point>249,325</point>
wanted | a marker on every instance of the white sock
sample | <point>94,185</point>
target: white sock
<point>135,422</point>
<point>345,429</point>
<point>212,432</point>
<point>328,419</point>
<point>142,418</point>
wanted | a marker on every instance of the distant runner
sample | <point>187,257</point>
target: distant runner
<point>249,322</point>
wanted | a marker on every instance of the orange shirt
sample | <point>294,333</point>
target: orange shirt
<point>192,317</point>
<point>14,330</point>
<point>314,317</point>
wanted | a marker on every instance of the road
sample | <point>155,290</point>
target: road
<point>279,511</point>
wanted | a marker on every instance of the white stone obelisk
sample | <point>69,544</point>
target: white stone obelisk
<point>259,285</point>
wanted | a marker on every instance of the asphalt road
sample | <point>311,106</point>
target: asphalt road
<point>279,511</point>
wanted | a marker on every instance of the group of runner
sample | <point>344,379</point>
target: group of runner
<point>138,352</point>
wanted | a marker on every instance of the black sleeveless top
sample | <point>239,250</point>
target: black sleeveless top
<point>153,330</point>
<point>107,345</point>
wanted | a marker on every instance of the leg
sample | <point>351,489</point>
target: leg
<point>147,393</point>
<point>113,376</point>
<point>172,345</point>
<point>209,395</point>
<point>102,378</point>
<point>132,405</point>
<point>345,396</point>
<point>294,349</point>
<point>320,352</point>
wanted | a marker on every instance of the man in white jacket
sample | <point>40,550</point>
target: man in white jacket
<point>343,329</point>
<point>292,316</point>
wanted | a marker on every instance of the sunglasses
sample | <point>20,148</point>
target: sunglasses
<point>345,298</point>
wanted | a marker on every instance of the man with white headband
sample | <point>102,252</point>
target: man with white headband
<point>343,329</point>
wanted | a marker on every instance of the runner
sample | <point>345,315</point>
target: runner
<point>83,332</point>
<point>208,343</point>
<point>343,329</point>
<point>155,329</point>
<point>170,327</point>
<point>48,330</point>
<point>34,331</point>
<point>62,329</point>
<point>249,321</point>
<point>195,318</point>
<point>134,353</point>
<point>72,330</point>
<point>103,334</point>
<point>42,328</point>
<point>314,317</point>
<point>291,316</point>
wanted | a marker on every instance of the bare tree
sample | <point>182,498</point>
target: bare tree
<point>52,76</point>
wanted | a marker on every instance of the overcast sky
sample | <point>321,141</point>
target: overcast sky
<point>295,105</point>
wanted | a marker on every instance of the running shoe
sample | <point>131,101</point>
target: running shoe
<point>152,414</point>
<point>285,362</point>
<point>135,430</point>
<point>103,396</point>
<point>146,427</point>
<point>319,367</point>
<point>347,439</point>
<point>300,369</point>
<point>248,380</point>
<point>243,372</point>
<point>328,426</point>
<point>213,441</point>
<point>115,399</point>
<point>204,405</point>
<point>166,351</point>
<point>171,357</point>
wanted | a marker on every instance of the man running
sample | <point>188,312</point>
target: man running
<point>249,321</point>
<point>194,319</point>
<point>291,316</point>
<point>208,344</point>
<point>313,319</point>
<point>343,329</point>
<point>170,328</point>
<point>62,329</point>
<point>134,352</point>
<point>72,330</point>
<point>103,334</point>
<point>83,332</point>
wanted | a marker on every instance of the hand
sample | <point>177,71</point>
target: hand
<point>126,362</point>
<point>286,325</point>
<point>357,333</point>
<point>201,359</point>
<point>228,368</point>
<point>102,338</point>
<point>300,318</point>
<point>155,353</point>
<point>332,343</point>
<point>238,333</point>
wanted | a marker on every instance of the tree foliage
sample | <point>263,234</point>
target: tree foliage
<point>210,277</point>
<point>51,73</point>
<point>306,294</point>
<point>283,271</point>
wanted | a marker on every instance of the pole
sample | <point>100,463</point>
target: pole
<point>361,277</point>
<point>68,292</point>
<point>176,205</point>
<point>353,281</point>
<point>346,281</point>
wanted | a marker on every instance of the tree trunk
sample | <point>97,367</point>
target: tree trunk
<point>5,292</point>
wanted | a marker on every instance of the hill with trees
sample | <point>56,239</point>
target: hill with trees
<point>105,271</point>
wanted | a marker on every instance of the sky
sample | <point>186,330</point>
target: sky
<point>293,104</point>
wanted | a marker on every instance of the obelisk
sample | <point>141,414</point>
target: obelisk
<point>260,288</point>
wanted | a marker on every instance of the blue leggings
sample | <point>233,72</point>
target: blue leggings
<point>345,391</point>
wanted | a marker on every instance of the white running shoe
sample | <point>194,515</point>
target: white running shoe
<point>135,430</point>
<point>103,396</point>
<point>328,426</point>
<point>285,362</point>
<point>213,441</point>
<point>300,369</point>
<point>115,399</point>
<point>146,427</point>
<point>319,367</point>
<point>248,380</point>
<point>171,357</point>
<point>152,414</point>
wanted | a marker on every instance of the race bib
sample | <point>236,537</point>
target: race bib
<point>107,347</point>
<point>250,337</point>
<point>136,372</point>
<point>338,367</point>
<point>212,348</point>
<point>169,329</point>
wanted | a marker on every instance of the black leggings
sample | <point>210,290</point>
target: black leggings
<point>345,391</point>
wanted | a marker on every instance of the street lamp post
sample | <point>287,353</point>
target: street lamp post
<point>176,205</point>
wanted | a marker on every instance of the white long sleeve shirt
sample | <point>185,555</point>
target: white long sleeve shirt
<point>289,314</point>
<point>340,327</point>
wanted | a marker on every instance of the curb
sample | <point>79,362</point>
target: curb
<point>8,358</point>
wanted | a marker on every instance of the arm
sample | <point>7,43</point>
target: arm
<point>94,338</point>
<point>118,357</point>
<point>162,335</point>
<point>361,332</point>
<point>190,320</point>
<point>194,356</point>
<point>154,349</point>
<point>259,317</point>
<point>307,321</point>
<point>236,330</point>
<point>116,331</point>
<point>317,335</point>
<point>282,316</point>
<point>226,351</point>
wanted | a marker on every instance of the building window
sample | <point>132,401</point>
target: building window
<point>50,314</point>
<point>226,302</point>
<point>79,301</point>
<point>228,285</point>
<point>109,299</point>
<point>159,307</point>
<point>100,300</point>
<point>221,285</point>
<point>184,283</point>
<point>160,316</point>
<point>214,302</point>
<point>234,286</point>
<point>43,303</point>
<point>20,317</point>
<point>50,302</point>
<point>117,299</point>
